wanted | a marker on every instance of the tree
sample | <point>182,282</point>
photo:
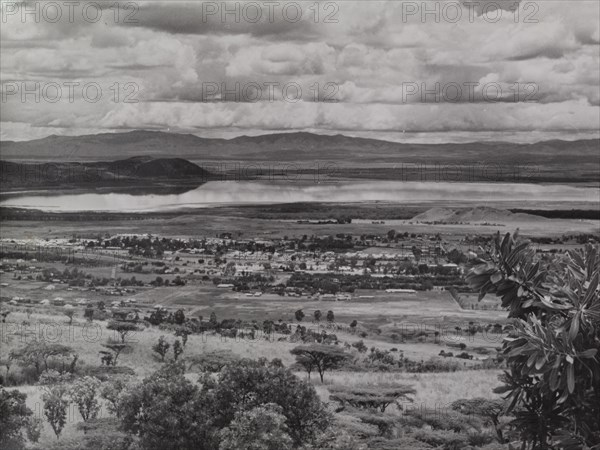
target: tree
<point>177,349</point>
<point>323,357</point>
<point>69,311</point>
<point>112,392</point>
<point>360,346</point>
<point>490,410</point>
<point>55,407</point>
<point>84,393</point>
<point>417,252</point>
<point>261,428</point>
<point>89,314</point>
<point>213,319</point>
<point>167,412</point>
<point>249,384</point>
<point>179,317</point>
<point>111,357</point>
<point>318,314</point>
<point>38,354</point>
<point>391,235</point>
<point>456,256</point>
<point>353,325</point>
<point>161,347</point>
<point>306,363</point>
<point>183,332</point>
<point>213,361</point>
<point>371,397</point>
<point>124,329</point>
<point>330,316</point>
<point>15,418</point>
<point>299,314</point>
<point>556,334</point>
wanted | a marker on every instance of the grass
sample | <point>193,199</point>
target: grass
<point>434,390</point>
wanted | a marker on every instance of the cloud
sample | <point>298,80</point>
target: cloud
<point>369,55</point>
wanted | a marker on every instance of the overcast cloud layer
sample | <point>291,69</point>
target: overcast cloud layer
<point>373,58</point>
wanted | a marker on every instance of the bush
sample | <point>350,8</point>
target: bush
<point>261,428</point>
<point>250,384</point>
<point>447,440</point>
<point>83,393</point>
<point>553,381</point>
<point>161,347</point>
<point>104,434</point>
<point>167,412</point>
<point>15,419</point>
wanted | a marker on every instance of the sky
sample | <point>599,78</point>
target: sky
<point>434,71</point>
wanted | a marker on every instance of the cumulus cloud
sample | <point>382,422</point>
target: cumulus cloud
<point>387,65</point>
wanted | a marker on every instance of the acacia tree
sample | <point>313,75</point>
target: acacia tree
<point>371,397</point>
<point>124,329</point>
<point>554,342</point>
<point>213,361</point>
<point>111,357</point>
<point>39,354</point>
<point>320,356</point>
<point>489,410</point>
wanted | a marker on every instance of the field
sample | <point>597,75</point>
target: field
<point>229,271</point>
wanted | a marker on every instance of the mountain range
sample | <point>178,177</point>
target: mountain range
<point>298,146</point>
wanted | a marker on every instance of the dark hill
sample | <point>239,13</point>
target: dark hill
<point>139,170</point>
<point>174,168</point>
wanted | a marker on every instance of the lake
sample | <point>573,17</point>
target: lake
<point>217,193</point>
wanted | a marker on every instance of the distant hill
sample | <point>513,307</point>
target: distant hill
<point>281,146</point>
<point>542,162</point>
<point>140,170</point>
<point>477,214</point>
<point>146,167</point>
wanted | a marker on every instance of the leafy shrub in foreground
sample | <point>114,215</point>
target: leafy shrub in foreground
<point>553,381</point>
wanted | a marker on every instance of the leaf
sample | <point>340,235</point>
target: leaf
<point>576,257</point>
<point>590,353</point>
<point>574,326</point>
<point>533,271</point>
<point>591,290</point>
<point>571,378</point>
<point>554,380</point>
<point>540,362</point>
